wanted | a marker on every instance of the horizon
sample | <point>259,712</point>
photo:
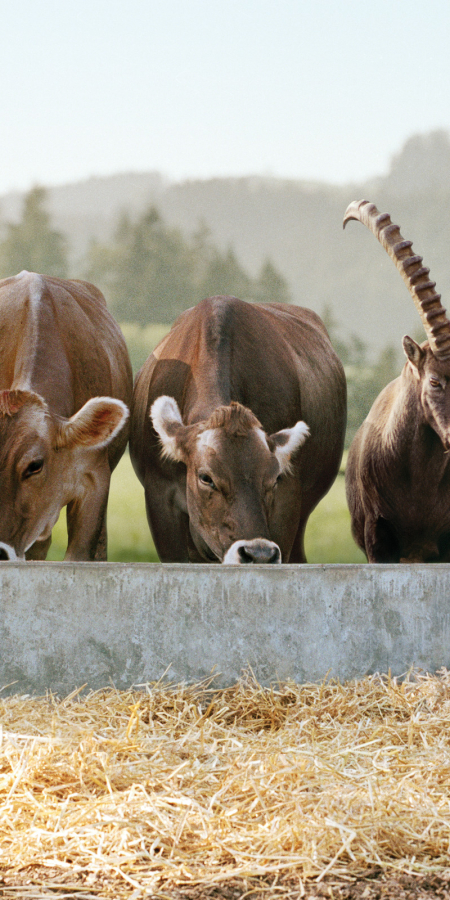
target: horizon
<point>167,181</point>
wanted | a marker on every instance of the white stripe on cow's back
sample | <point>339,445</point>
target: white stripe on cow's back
<point>23,379</point>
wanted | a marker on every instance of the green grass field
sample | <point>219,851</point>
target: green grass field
<point>328,537</point>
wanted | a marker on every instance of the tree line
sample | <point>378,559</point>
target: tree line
<point>147,271</point>
<point>150,273</point>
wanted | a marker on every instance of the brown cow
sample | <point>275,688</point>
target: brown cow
<point>65,388</point>
<point>398,469</point>
<point>217,437</point>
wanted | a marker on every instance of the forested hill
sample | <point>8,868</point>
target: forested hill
<point>297,225</point>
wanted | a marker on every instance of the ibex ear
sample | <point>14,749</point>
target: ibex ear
<point>413,351</point>
<point>286,442</point>
<point>168,424</point>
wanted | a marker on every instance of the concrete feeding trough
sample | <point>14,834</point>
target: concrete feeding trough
<point>64,625</point>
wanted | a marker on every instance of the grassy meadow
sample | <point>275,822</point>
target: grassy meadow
<point>328,537</point>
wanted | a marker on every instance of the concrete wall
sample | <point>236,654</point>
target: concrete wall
<point>63,625</point>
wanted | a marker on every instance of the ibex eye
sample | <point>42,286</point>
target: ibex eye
<point>435,382</point>
<point>33,468</point>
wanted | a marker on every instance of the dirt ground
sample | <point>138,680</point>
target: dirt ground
<point>36,884</point>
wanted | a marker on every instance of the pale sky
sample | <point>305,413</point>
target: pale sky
<point>324,90</point>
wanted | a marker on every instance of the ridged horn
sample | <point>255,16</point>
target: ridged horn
<point>414,274</point>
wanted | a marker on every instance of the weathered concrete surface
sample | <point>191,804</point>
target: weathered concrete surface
<point>63,625</point>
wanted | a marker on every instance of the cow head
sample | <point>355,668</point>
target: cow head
<point>432,377</point>
<point>46,461</point>
<point>233,474</point>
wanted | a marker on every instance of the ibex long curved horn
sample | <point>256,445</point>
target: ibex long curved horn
<point>414,274</point>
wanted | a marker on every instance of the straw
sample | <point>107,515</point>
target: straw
<point>172,789</point>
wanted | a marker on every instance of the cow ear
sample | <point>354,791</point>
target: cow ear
<point>12,401</point>
<point>413,351</point>
<point>286,442</point>
<point>168,424</point>
<point>95,425</point>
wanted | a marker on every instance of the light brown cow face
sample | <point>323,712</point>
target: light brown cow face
<point>233,475</point>
<point>46,462</point>
<point>433,377</point>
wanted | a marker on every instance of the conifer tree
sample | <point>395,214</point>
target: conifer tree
<point>32,244</point>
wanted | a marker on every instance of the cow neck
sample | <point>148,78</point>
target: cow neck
<point>203,408</point>
<point>211,384</point>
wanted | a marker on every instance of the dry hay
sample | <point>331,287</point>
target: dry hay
<point>172,790</point>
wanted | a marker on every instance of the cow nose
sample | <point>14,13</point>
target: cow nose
<point>7,552</point>
<point>258,551</point>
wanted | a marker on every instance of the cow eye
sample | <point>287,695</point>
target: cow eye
<point>206,480</point>
<point>33,468</point>
<point>272,485</point>
<point>435,382</point>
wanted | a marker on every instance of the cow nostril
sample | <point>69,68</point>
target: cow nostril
<point>276,555</point>
<point>244,555</point>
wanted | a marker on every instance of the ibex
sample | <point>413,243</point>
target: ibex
<point>398,469</point>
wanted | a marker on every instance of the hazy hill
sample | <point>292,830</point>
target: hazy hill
<point>297,224</point>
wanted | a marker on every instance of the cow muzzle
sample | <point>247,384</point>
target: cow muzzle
<point>7,553</point>
<point>258,551</point>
